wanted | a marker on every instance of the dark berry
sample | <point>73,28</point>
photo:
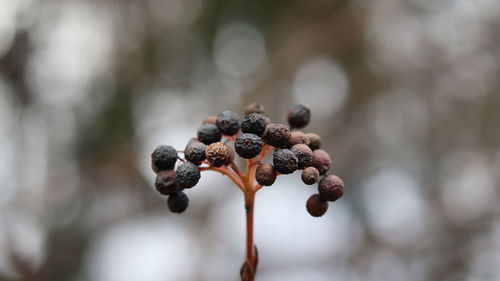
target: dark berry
<point>188,175</point>
<point>210,120</point>
<point>265,174</point>
<point>209,133</point>
<point>285,161</point>
<point>299,116</point>
<point>304,154</point>
<point>163,158</point>
<point>254,123</point>
<point>321,161</point>
<point>310,175</point>
<point>166,182</point>
<point>195,151</point>
<point>228,123</point>
<point>331,188</point>
<point>298,137</point>
<point>276,135</point>
<point>218,154</point>
<point>314,141</point>
<point>316,206</point>
<point>177,202</point>
<point>248,145</point>
<point>254,108</point>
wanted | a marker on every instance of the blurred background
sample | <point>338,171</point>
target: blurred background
<point>403,92</point>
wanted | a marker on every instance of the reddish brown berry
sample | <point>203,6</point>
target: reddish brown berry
<point>166,182</point>
<point>304,154</point>
<point>298,137</point>
<point>209,120</point>
<point>321,161</point>
<point>314,141</point>
<point>265,174</point>
<point>310,175</point>
<point>218,154</point>
<point>331,188</point>
<point>299,116</point>
<point>316,206</point>
<point>277,135</point>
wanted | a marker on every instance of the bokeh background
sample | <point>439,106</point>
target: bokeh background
<point>403,92</point>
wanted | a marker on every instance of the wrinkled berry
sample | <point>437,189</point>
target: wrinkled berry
<point>163,158</point>
<point>166,182</point>
<point>331,188</point>
<point>299,116</point>
<point>209,133</point>
<point>316,206</point>
<point>254,123</point>
<point>254,108</point>
<point>321,161</point>
<point>177,202</point>
<point>298,137</point>
<point>228,123</point>
<point>248,145</point>
<point>310,175</point>
<point>218,154</point>
<point>188,175</point>
<point>285,161</point>
<point>314,141</point>
<point>265,174</point>
<point>195,151</point>
<point>276,135</point>
<point>304,154</point>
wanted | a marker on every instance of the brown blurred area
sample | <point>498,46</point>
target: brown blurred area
<point>403,92</point>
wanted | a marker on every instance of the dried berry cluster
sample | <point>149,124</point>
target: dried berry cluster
<point>292,150</point>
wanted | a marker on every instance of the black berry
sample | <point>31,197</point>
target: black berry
<point>248,145</point>
<point>310,175</point>
<point>298,137</point>
<point>177,202</point>
<point>285,161</point>
<point>276,135</point>
<point>299,116</point>
<point>314,141</point>
<point>316,206</point>
<point>331,188</point>
<point>188,175</point>
<point>304,154</point>
<point>166,182</point>
<point>265,174</point>
<point>218,154</point>
<point>254,123</point>
<point>163,158</point>
<point>228,123</point>
<point>321,161</point>
<point>254,108</point>
<point>195,151</point>
<point>209,133</point>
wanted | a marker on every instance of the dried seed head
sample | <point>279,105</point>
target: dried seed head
<point>254,108</point>
<point>254,123</point>
<point>277,135</point>
<point>166,182</point>
<point>178,202</point>
<point>209,120</point>
<point>188,175</point>
<point>331,188</point>
<point>299,116</point>
<point>195,151</point>
<point>314,141</point>
<point>310,175</point>
<point>298,137</point>
<point>228,123</point>
<point>218,154</point>
<point>248,145</point>
<point>163,158</point>
<point>321,161</point>
<point>304,154</point>
<point>265,174</point>
<point>209,133</point>
<point>285,161</point>
<point>316,206</point>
